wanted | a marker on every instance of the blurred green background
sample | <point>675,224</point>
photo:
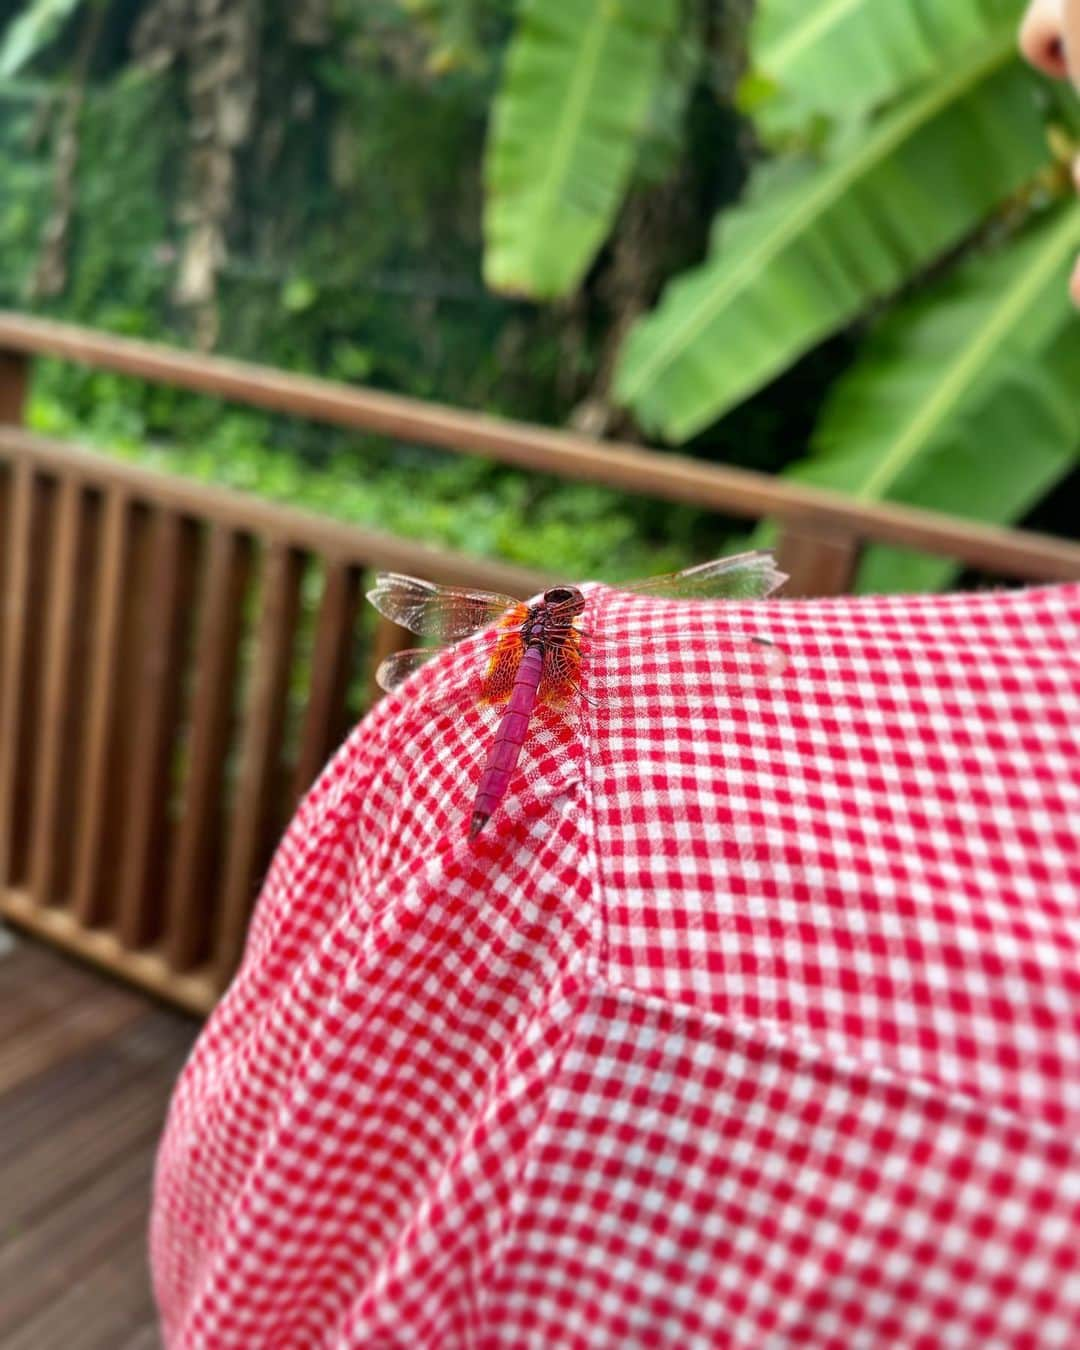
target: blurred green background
<point>819,239</point>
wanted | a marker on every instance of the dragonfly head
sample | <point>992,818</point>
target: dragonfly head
<point>569,596</point>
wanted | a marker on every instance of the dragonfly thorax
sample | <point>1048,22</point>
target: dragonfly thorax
<point>552,616</point>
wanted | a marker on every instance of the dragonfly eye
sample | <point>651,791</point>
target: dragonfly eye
<point>558,595</point>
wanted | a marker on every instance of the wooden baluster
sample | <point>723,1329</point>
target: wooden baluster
<point>166,606</point>
<point>14,383</point>
<point>54,745</point>
<point>188,909</point>
<point>7,507</point>
<point>330,668</point>
<point>102,705</point>
<point>818,562</point>
<point>282,570</point>
<point>16,621</point>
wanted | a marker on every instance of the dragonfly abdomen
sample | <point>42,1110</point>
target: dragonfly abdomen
<point>509,738</point>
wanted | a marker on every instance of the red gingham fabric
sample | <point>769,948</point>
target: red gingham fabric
<point>752,1020</point>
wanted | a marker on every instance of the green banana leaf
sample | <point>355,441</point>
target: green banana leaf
<point>965,400</point>
<point>811,247</point>
<point>579,82</point>
<point>843,58</point>
<point>33,28</point>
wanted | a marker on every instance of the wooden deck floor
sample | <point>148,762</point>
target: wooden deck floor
<point>86,1068</point>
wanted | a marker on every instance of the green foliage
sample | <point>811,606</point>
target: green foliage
<point>29,31</point>
<point>963,400</point>
<point>124,244</point>
<point>903,128</point>
<point>452,29</point>
<point>24,201</point>
<point>906,135</point>
<point>579,82</point>
<point>814,245</point>
<point>363,265</point>
<point>843,60</point>
<point>570,529</point>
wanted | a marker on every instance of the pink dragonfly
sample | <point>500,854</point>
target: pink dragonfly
<point>537,657</point>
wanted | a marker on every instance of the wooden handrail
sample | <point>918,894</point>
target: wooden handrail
<point>673,477</point>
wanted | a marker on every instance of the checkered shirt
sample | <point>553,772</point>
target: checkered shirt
<point>751,1020</point>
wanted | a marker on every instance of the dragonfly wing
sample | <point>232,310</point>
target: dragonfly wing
<point>743,576</point>
<point>448,613</point>
<point>505,658</point>
<point>397,667</point>
<point>561,679</point>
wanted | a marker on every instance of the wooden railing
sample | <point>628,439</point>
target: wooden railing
<point>175,667</point>
<point>177,661</point>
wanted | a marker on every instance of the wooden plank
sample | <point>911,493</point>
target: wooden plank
<point>40,1262</point>
<point>167,598</point>
<point>147,1337</point>
<point>29,964</point>
<point>20,969</point>
<point>77,1144</point>
<point>81,1084</point>
<point>77,1148</point>
<point>331,664</point>
<point>265,713</point>
<point>14,384</point>
<point>188,914</point>
<point>16,621</point>
<point>139,579</point>
<point>665,475</point>
<point>7,493</point>
<point>29,995</point>
<point>60,1032</point>
<point>102,1308</point>
<point>56,722</point>
<point>195,992</point>
<point>43,509</point>
<point>818,563</point>
<point>102,677</point>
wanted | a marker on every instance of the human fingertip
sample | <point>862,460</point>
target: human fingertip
<point>1041,39</point>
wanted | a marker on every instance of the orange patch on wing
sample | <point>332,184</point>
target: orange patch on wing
<point>561,679</point>
<point>505,659</point>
